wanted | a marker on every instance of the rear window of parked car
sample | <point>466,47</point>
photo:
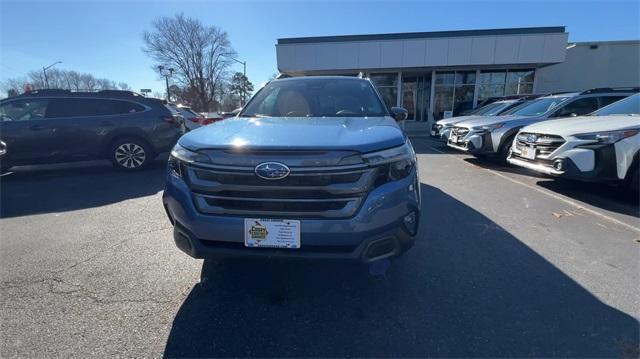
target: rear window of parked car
<point>81,107</point>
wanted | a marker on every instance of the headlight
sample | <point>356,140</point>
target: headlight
<point>396,162</point>
<point>488,128</point>
<point>607,137</point>
<point>185,155</point>
<point>180,155</point>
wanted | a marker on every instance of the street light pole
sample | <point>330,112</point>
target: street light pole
<point>166,75</point>
<point>44,71</point>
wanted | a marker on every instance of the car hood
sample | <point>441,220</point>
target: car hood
<point>584,124</point>
<point>490,120</point>
<point>326,133</point>
<point>454,120</point>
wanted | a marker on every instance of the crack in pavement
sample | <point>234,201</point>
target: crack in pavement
<point>23,282</point>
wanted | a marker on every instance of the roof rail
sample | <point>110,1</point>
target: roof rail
<point>49,92</point>
<point>119,92</point>
<point>611,89</point>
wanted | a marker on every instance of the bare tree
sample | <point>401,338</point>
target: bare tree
<point>60,79</point>
<point>124,86</point>
<point>199,54</point>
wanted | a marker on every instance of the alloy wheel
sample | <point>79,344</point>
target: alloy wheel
<point>130,155</point>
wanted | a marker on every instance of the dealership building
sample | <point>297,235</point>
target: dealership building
<point>439,74</point>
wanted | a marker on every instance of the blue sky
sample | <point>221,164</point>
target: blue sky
<point>105,37</point>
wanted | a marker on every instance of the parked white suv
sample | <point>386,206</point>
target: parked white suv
<point>602,147</point>
<point>494,135</point>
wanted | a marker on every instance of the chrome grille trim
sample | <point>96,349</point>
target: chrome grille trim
<point>294,170</point>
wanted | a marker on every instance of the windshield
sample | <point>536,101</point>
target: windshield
<point>484,110</point>
<point>493,109</point>
<point>540,106</point>
<point>317,97</point>
<point>628,106</point>
<point>516,108</point>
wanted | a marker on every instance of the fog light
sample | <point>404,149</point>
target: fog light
<point>558,165</point>
<point>411,223</point>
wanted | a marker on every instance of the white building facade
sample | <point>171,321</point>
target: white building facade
<point>436,74</point>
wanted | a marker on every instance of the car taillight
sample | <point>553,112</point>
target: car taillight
<point>194,119</point>
<point>175,120</point>
<point>210,120</point>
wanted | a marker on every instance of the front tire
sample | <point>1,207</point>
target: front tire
<point>503,152</point>
<point>130,154</point>
<point>633,182</point>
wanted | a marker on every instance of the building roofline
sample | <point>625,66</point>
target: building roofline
<point>422,35</point>
<point>605,42</point>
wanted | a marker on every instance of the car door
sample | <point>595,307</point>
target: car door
<point>27,133</point>
<point>85,124</point>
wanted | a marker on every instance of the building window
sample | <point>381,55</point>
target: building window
<point>387,85</point>
<point>491,84</point>
<point>496,83</point>
<point>453,93</point>
<point>519,82</point>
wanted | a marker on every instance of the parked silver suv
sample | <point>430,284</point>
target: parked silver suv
<point>442,128</point>
<point>494,135</point>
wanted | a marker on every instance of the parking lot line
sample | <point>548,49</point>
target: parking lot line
<point>555,196</point>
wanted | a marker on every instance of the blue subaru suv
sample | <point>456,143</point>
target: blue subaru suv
<point>312,167</point>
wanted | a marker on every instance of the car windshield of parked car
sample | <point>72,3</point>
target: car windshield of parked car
<point>488,110</point>
<point>628,106</point>
<point>315,98</point>
<point>540,106</point>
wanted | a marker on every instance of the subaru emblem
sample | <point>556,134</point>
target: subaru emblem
<point>272,170</point>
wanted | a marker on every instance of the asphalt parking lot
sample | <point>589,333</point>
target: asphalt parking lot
<point>507,264</point>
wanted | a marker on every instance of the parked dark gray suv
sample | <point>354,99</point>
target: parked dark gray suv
<point>50,126</point>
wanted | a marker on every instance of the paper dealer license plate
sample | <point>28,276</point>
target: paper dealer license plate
<point>271,233</point>
<point>528,152</point>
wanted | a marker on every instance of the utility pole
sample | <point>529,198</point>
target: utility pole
<point>244,80</point>
<point>166,73</point>
<point>44,71</point>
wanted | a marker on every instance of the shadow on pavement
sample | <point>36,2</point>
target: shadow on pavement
<point>608,197</point>
<point>67,187</point>
<point>468,288</point>
<point>615,199</point>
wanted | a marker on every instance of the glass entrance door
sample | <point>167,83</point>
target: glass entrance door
<point>409,96</point>
<point>416,94</point>
<point>423,98</point>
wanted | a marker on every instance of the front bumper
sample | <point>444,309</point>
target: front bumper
<point>473,142</point>
<point>376,231</point>
<point>603,158</point>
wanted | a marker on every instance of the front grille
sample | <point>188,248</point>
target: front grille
<point>249,179</point>
<point>330,192</point>
<point>459,131</point>
<point>543,144</point>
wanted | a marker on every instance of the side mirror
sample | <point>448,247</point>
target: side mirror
<point>399,113</point>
